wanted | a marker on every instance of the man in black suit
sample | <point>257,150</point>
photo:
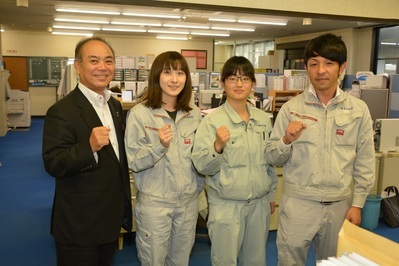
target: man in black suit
<point>83,149</point>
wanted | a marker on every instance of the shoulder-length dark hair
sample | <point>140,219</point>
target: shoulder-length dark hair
<point>238,64</point>
<point>152,96</point>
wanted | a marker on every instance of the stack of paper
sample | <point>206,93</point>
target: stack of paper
<point>347,259</point>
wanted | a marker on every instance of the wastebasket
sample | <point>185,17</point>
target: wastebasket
<point>371,212</point>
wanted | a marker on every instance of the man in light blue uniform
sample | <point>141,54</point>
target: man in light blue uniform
<point>324,139</point>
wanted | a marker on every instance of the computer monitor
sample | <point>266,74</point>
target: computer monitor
<point>206,97</point>
<point>127,95</point>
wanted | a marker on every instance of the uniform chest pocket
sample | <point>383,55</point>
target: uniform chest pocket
<point>188,130</point>
<point>235,151</point>
<point>345,129</point>
<point>186,139</point>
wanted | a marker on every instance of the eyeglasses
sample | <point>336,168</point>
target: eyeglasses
<point>234,79</point>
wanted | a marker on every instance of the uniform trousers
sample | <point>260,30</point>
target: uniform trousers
<point>303,222</point>
<point>238,230</point>
<point>165,235</point>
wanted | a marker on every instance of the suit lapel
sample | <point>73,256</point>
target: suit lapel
<point>89,115</point>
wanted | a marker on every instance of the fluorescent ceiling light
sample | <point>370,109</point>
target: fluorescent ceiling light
<point>137,23</point>
<point>389,43</point>
<point>150,15</point>
<point>166,37</point>
<point>72,33</point>
<point>72,10</point>
<point>1,30</point>
<point>125,29</point>
<point>75,27</point>
<point>78,20</point>
<point>167,31</point>
<point>222,19</point>
<point>232,28</point>
<point>211,33</point>
<point>262,22</point>
<point>186,25</point>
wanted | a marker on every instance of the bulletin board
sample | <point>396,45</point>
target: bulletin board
<point>200,55</point>
<point>44,71</point>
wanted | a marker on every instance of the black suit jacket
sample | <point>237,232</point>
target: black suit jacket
<point>92,200</point>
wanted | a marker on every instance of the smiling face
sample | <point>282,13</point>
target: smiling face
<point>238,87</point>
<point>172,82</point>
<point>323,73</point>
<point>96,65</point>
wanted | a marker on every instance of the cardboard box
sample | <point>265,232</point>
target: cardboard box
<point>374,247</point>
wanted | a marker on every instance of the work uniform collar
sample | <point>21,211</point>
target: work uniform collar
<point>235,118</point>
<point>311,90</point>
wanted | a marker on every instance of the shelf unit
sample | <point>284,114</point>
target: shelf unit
<point>282,96</point>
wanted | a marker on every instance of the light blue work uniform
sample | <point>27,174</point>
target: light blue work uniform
<point>167,201</point>
<point>241,185</point>
<point>335,150</point>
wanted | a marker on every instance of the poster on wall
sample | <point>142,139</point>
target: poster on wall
<point>200,55</point>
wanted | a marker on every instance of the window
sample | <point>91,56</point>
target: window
<point>253,50</point>
<point>387,50</point>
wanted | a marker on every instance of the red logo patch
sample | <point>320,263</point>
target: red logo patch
<point>340,132</point>
<point>187,141</point>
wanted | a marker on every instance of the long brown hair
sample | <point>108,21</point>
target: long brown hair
<point>152,96</point>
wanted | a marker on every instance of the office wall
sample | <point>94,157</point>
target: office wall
<point>1,51</point>
<point>20,43</point>
<point>358,43</point>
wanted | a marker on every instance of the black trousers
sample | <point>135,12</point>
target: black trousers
<point>71,255</point>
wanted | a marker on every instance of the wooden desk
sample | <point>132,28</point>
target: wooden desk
<point>126,106</point>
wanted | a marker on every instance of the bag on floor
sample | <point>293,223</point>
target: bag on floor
<point>390,206</point>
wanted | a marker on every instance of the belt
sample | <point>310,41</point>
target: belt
<point>328,202</point>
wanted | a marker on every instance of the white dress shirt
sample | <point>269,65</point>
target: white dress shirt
<point>100,104</point>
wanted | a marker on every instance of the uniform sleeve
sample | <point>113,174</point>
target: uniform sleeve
<point>272,173</point>
<point>364,164</point>
<point>205,159</point>
<point>277,152</point>
<point>141,151</point>
<point>64,153</point>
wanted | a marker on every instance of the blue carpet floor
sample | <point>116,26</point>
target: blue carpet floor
<point>26,194</point>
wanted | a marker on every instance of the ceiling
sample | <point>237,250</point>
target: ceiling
<point>40,15</point>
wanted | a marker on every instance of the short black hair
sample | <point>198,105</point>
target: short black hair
<point>328,46</point>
